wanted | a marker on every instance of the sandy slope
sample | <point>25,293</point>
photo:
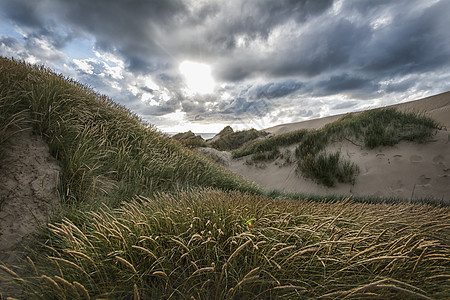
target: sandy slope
<point>28,182</point>
<point>436,107</point>
<point>407,170</point>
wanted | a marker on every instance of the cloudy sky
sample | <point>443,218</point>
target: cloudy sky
<point>202,64</point>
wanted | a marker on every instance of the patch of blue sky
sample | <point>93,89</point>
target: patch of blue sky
<point>80,48</point>
<point>8,29</point>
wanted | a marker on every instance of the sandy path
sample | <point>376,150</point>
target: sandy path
<point>28,182</point>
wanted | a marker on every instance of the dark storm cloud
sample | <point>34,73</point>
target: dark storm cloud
<point>241,108</point>
<point>31,19</point>
<point>275,89</point>
<point>415,41</point>
<point>251,20</point>
<point>324,47</point>
<point>267,53</point>
<point>23,12</point>
<point>345,83</point>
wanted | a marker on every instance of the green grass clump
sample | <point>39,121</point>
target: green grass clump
<point>234,140</point>
<point>106,152</point>
<point>374,128</point>
<point>190,140</point>
<point>209,244</point>
<point>329,168</point>
<point>382,127</point>
<point>370,129</point>
<point>270,144</point>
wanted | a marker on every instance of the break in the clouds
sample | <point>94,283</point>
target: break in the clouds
<point>201,65</point>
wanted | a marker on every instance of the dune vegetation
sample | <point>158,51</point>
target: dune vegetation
<point>370,129</point>
<point>146,218</point>
<point>227,140</point>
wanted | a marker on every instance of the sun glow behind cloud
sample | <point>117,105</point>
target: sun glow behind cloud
<point>274,62</point>
<point>198,77</point>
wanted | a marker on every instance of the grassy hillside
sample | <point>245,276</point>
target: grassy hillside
<point>165,223</point>
<point>106,152</point>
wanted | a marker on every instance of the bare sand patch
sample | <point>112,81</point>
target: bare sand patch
<point>28,193</point>
<point>407,170</point>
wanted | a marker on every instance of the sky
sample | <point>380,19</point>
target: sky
<point>203,64</point>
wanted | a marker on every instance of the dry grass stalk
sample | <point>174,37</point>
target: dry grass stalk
<point>69,223</point>
<point>30,261</point>
<point>126,263</point>
<point>202,270</point>
<point>236,252</point>
<point>252,272</point>
<point>136,292</point>
<point>103,236</point>
<point>54,286</point>
<point>145,250</point>
<point>143,238</point>
<point>58,268</point>
<point>283,288</point>
<point>160,273</point>
<point>379,237</point>
<point>80,254</point>
<point>290,258</point>
<point>366,251</point>
<point>67,284</point>
<point>409,292</point>
<point>282,250</point>
<point>370,260</point>
<point>82,290</point>
<point>9,271</point>
<point>240,283</point>
<point>362,228</point>
<point>418,261</point>
<point>68,263</point>
<point>180,243</point>
<point>443,276</point>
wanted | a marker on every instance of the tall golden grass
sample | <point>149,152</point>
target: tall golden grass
<point>146,218</point>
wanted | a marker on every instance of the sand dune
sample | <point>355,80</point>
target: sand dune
<point>407,170</point>
<point>436,107</point>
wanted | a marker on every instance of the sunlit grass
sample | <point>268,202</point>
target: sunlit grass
<point>146,218</point>
<point>210,244</point>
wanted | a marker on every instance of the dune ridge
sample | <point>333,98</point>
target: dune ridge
<point>437,107</point>
<point>406,170</point>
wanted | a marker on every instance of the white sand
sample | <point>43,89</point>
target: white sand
<point>407,170</point>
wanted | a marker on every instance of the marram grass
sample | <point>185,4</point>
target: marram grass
<point>106,152</point>
<point>210,244</point>
<point>158,221</point>
<point>370,129</point>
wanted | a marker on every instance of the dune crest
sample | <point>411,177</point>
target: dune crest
<point>436,107</point>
